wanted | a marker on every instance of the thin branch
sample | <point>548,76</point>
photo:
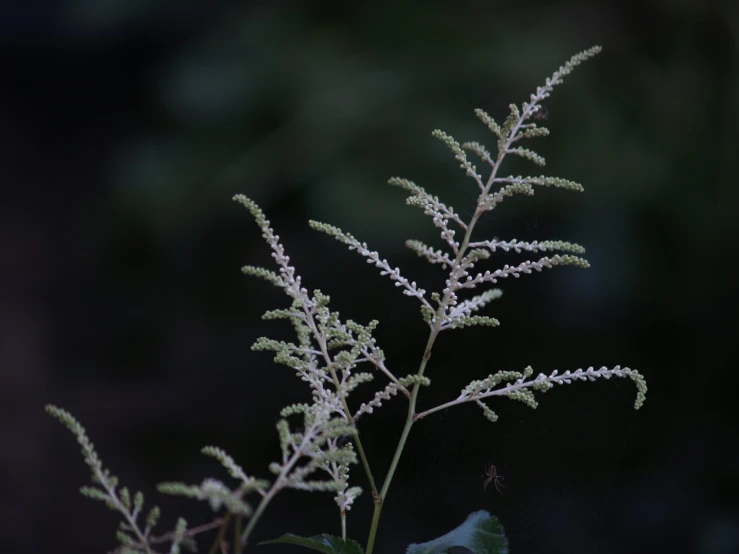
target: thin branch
<point>544,382</point>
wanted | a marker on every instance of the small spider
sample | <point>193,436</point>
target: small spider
<point>494,478</point>
<point>541,114</point>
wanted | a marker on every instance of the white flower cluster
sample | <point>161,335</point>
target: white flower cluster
<point>133,534</point>
<point>411,288</point>
<point>389,391</point>
<point>325,356</point>
<point>316,453</point>
<point>521,387</point>
<point>535,246</point>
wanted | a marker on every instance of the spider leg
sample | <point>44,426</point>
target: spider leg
<point>498,484</point>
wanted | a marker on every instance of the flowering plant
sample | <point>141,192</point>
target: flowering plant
<point>330,355</point>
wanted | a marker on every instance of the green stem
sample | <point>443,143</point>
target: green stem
<point>412,416</point>
<point>358,442</point>
<point>258,513</point>
<point>277,486</point>
<point>238,547</point>
<point>373,526</point>
<point>442,407</point>
<point>380,499</point>
<point>215,547</point>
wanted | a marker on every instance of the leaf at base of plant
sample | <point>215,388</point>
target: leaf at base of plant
<point>481,533</point>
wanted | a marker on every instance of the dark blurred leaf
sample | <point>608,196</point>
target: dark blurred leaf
<point>481,533</point>
<point>322,543</point>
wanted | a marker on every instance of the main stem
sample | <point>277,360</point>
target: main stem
<point>257,514</point>
<point>411,417</point>
<point>379,498</point>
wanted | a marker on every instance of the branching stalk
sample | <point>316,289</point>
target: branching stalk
<point>412,416</point>
<point>331,374</point>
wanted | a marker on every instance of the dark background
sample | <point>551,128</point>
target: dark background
<point>126,127</point>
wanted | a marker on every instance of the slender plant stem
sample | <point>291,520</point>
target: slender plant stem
<point>266,499</point>
<point>191,532</point>
<point>238,547</point>
<point>221,534</point>
<point>365,463</point>
<point>373,526</point>
<point>414,394</point>
<point>443,407</point>
<point>412,416</point>
<point>379,499</point>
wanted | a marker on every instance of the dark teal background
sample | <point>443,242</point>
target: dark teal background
<point>126,127</point>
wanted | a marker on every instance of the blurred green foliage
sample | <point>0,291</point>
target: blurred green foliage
<point>333,99</point>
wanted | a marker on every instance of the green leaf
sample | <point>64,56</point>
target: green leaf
<point>481,533</point>
<point>325,543</point>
